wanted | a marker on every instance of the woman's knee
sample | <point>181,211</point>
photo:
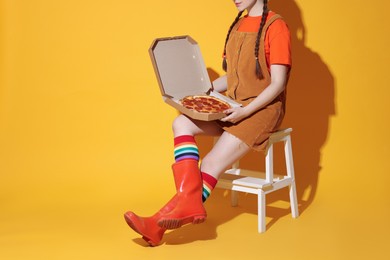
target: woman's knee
<point>182,125</point>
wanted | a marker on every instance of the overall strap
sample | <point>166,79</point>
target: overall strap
<point>268,23</point>
<point>262,58</point>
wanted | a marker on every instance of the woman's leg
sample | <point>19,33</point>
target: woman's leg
<point>147,227</point>
<point>186,172</point>
<point>185,130</point>
<point>225,152</point>
<point>182,125</point>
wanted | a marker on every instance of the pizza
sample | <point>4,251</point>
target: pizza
<point>205,104</point>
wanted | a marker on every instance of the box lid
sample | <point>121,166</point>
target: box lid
<point>179,67</point>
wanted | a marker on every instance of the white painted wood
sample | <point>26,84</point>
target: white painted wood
<point>293,201</point>
<point>261,211</point>
<point>234,198</point>
<point>260,183</point>
<point>250,173</point>
<point>290,173</point>
<point>269,164</point>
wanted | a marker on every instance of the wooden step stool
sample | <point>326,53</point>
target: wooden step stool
<point>260,183</point>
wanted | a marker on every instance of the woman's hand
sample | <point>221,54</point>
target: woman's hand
<point>235,114</point>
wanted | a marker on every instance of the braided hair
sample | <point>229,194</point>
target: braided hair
<point>259,72</point>
<point>264,16</point>
<point>224,63</point>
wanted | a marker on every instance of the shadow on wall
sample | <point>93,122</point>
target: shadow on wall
<point>310,104</point>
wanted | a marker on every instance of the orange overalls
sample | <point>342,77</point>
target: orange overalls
<point>244,86</point>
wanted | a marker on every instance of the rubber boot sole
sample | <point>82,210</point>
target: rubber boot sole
<point>177,223</point>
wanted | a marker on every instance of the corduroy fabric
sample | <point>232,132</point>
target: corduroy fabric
<point>244,86</point>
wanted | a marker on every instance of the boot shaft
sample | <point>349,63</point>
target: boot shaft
<point>187,175</point>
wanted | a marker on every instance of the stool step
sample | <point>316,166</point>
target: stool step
<point>252,182</point>
<point>250,173</point>
<point>237,179</point>
<point>228,180</point>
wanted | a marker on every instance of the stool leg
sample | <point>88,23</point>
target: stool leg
<point>290,173</point>
<point>269,164</point>
<point>293,201</point>
<point>261,211</point>
<point>234,198</point>
<point>234,195</point>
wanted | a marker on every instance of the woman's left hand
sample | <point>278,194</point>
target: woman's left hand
<point>235,114</point>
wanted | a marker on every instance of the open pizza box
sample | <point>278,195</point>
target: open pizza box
<point>181,72</point>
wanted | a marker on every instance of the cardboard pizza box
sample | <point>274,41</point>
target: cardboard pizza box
<point>181,72</point>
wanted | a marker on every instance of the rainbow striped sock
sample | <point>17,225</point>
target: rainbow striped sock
<point>209,183</point>
<point>185,148</point>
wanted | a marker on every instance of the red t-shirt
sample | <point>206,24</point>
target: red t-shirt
<point>277,39</point>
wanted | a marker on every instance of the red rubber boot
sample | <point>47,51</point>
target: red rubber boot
<point>189,206</point>
<point>147,226</point>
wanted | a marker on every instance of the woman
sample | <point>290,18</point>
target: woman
<point>257,60</point>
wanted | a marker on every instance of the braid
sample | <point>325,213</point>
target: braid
<point>259,72</point>
<point>224,63</point>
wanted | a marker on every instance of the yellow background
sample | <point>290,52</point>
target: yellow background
<point>85,135</point>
